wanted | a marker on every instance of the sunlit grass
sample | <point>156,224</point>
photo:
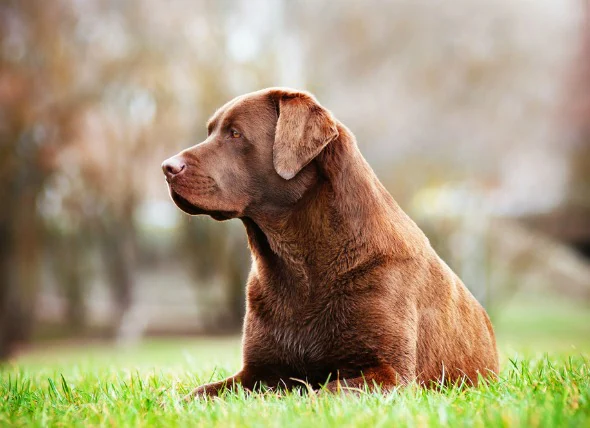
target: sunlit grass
<point>144,385</point>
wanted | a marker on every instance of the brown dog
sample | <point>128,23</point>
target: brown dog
<point>344,287</point>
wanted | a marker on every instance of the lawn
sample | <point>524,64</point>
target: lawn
<point>143,385</point>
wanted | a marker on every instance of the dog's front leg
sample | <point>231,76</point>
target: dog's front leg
<point>214,389</point>
<point>383,377</point>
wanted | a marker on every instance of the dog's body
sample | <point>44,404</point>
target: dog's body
<point>344,286</point>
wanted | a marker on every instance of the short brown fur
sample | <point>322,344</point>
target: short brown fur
<point>344,287</point>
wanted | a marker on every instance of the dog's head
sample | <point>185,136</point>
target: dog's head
<point>257,154</point>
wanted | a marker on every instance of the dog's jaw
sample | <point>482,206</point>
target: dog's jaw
<point>192,209</point>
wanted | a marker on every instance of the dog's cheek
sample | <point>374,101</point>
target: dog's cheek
<point>235,186</point>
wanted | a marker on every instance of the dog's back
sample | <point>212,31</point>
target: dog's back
<point>455,337</point>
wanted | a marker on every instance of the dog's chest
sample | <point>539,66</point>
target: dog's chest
<point>307,334</point>
<point>304,331</point>
<point>301,339</point>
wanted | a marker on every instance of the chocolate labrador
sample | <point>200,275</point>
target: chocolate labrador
<point>345,290</point>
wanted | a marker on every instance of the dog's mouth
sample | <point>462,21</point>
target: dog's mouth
<point>185,205</point>
<point>192,209</point>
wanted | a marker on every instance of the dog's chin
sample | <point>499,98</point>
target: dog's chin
<point>192,209</point>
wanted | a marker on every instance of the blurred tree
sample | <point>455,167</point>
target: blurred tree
<point>149,98</point>
<point>35,64</point>
<point>579,115</point>
<point>94,95</point>
<point>70,259</point>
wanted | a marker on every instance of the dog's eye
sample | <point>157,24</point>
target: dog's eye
<point>235,134</point>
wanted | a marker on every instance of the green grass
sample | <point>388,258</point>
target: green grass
<point>117,388</point>
<point>143,385</point>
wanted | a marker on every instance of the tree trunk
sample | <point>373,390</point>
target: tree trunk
<point>6,335</point>
<point>19,268</point>
<point>70,267</point>
<point>118,239</point>
<point>237,266</point>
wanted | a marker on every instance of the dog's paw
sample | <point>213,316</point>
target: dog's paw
<point>339,387</point>
<point>203,392</point>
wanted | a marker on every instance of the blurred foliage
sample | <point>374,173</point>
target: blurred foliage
<point>455,106</point>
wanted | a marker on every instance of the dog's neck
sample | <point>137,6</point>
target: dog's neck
<point>345,222</point>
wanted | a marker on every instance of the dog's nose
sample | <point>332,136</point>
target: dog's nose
<point>172,166</point>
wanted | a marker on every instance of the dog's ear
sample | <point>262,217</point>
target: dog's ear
<point>303,129</point>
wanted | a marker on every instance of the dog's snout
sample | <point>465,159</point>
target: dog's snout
<point>173,166</point>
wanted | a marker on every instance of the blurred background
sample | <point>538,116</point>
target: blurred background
<point>474,114</point>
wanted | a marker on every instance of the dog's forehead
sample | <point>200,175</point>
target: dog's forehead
<point>244,104</point>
